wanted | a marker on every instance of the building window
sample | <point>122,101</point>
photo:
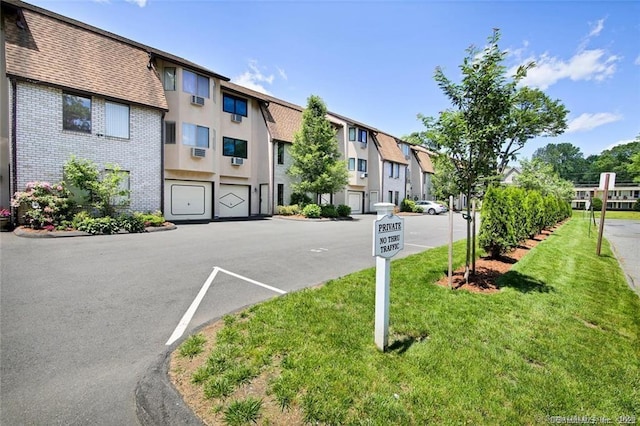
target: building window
<point>234,147</point>
<point>280,152</point>
<point>195,84</point>
<point>234,105</point>
<point>193,135</point>
<point>397,198</point>
<point>405,149</point>
<point>169,132</point>
<point>352,163</point>
<point>116,120</point>
<point>391,196</point>
<point>396,171</point>
<point>169,78</point>
<point>281,194</point>
<point>352,133</point>
<point>362,165</point>
<point>362,136</point>
<point>76,113</point>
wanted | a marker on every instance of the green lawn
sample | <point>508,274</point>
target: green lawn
<point>560,339</point>
<point>610,214</point>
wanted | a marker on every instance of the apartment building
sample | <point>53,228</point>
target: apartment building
<point>421,171</point>
<point>192,143</point>
<point>622,197</point>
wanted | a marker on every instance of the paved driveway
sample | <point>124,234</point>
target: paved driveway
<point>81,319</point>
<point>624,236</point>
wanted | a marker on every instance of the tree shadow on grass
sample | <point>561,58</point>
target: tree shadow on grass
<point>523,283</point>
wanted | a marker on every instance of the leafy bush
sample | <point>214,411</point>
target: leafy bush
<point>106,194</point>
<point>328,210</point>
<point>636,205</point>
<point>46,205</point>
<point>312,211</point>
<point>300,199</point>
<point>407,205</point>
<point>534,209</point>
<point>99,225</point>
<point>418,209</point>
<point>133,223</point>
<point>154,219</point>
<point>516,198</point>
<point>291,210</point>
<point>344,210</point>
<point>497,234</point>
<point>596,204</point>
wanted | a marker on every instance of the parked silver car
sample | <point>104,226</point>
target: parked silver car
<point>431,207</point>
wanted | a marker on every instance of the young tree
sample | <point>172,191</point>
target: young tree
<point>316,158</point>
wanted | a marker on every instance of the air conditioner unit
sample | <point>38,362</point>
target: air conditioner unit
<point>363,175</point>
<point>236,118</point>
<point>197,100</point>
<point>198,152</point>
<point>237,161</point>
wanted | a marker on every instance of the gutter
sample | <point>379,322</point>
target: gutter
<point>13,183</point>
<point>162,136</point>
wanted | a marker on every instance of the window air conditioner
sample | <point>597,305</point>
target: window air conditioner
<point>197,100</point>
<point>198,152</point>
<point>363,175</point>
<point>236,118</point>
<point>237,161</point>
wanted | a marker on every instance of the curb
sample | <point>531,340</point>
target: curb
<point>157,401</point>
<point>20,232</point>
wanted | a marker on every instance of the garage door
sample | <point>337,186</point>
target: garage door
<point>187,200</point>
<point>234,201</point>
<point>355,202</point>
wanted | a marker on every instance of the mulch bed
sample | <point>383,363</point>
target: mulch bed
<point>488,270</point>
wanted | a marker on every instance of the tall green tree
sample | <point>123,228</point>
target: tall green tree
<point>490,120</point>
<point>443,179</point>
<point>565,159</point>
<point>421,138</point>
<point>539,176</point>
<point>616,160</point>
<point>316,158</point>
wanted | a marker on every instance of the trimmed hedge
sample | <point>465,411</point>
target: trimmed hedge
<point>511,215</point>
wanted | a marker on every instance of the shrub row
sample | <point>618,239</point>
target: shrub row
<point>132,223</point>
<point>510,215</point>
<point>315,211</point>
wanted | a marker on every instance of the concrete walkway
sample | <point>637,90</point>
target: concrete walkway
<point>624,236</point>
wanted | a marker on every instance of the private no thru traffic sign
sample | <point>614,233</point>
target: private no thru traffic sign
<point>388,240</point>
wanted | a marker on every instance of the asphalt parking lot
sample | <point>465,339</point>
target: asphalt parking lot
<point>81,319</point>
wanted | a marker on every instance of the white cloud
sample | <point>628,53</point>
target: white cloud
<point>587,121</point>
<point>141,3</point>
<point>599,26</point>
<point>283,75</point>
<point>255,79</point>
<point>594,64</point>
<point>622,142</point>
<point>637,61</point>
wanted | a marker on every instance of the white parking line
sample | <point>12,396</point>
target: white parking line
<point>186,318</point>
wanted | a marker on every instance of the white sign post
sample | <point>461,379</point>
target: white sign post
<point>388,240</point>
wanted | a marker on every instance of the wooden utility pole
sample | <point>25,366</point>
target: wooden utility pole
<point>605,195</point>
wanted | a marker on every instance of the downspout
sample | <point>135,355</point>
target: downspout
<point>13,184</point>
<point>162,136</point>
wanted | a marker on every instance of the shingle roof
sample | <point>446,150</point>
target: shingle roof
<point>283,121</point>
<point>60,54</point>
<point>388,148</point>
<point>424,159</point>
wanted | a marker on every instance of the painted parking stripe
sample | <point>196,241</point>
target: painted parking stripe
<point>186,318</point>
<point>418,245</point>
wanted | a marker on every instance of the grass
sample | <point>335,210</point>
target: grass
<point>611,214</point>
<point>560,339</point>
<point>192,346</point>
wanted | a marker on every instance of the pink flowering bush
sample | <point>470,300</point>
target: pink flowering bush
<point>46,205</point>
<point>4,212</point>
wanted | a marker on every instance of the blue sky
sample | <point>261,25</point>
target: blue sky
<point>374,61</point>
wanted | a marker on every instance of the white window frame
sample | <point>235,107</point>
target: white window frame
<point>117,120</point>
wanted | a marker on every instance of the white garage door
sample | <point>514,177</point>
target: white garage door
<point>234,201</point>
<point>187,200</point>
<point>355,202</point>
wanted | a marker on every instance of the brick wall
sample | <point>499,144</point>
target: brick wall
<point>43,147</point>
